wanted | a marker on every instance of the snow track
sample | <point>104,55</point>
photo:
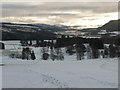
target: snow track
<point>54,81</point>
<point>49,79</point>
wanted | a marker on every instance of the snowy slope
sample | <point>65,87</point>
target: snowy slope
<point>70,73</point>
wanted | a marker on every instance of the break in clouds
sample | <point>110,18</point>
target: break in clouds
<point>66,13</point>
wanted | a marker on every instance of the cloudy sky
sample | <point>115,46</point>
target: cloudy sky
<point>83,14</point>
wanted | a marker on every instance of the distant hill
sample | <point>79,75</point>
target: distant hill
<point>111,26</point>
<point>43,27</point>
<point>110,29</point>
<point>13,31</point>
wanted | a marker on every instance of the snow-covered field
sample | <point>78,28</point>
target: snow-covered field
<point>70,73</point>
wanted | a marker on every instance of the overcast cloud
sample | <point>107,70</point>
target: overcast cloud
<point>67,13</point>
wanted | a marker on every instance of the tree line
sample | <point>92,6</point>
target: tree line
<point>91,48</point>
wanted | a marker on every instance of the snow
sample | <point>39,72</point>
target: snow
<point>70,73</point>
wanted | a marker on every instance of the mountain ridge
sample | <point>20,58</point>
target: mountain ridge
<point>112,25</point>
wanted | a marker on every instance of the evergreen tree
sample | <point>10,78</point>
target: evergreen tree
<point>80,51</point>
<point>95,52</point>
<point>30,42</point>
<point>89,52</point>
<point>106,52</point>
<point>112,51</point>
